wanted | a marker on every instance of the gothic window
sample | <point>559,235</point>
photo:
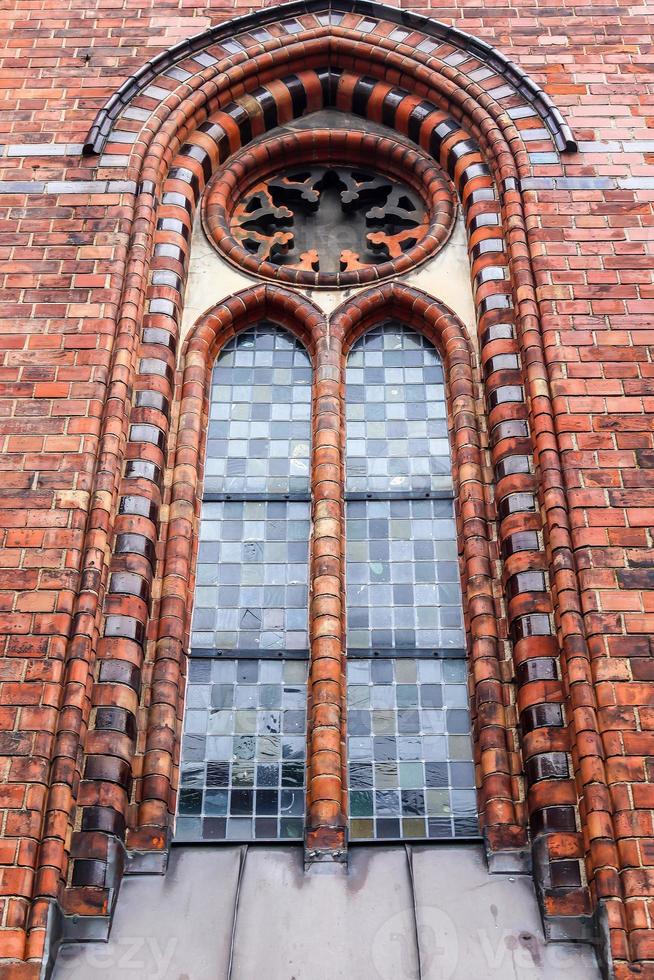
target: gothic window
<point>243,755</point>
<point>410,768</point>
<point>409,752</point>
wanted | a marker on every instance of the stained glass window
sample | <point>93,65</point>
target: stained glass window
<point>410,768</point>
<point>403,576</point>
<point>243,750</point>
<point>396,415</point>
<point>259,417</point>
<point>409,751</point>
<point>251,584</point>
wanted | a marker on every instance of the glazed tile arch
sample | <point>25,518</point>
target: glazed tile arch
<point>330,52</point>
<point>332,14</point>
<point>508,417</point>
<point>495,306</point>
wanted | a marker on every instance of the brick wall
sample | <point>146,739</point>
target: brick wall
<point>65,226</point>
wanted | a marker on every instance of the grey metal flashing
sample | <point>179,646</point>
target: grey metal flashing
<point>568,928</point>
<point>603,942</point>
<point>237,897</point>
<point>558,928</point>
<point>138,82</point>
<point>54,936</point>
<point>63,928</point>
<point>511,861</point>
<point>148,862</point>
<point>414,906</point>
<point>533,860</point>
<point>66,928</point>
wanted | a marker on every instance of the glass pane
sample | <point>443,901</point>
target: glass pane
<point>403,587</point>
<point>251,585</point>
<point>397,436</point>
<point>243,751</point>
<point>259,420</point>
<point>410,769</point>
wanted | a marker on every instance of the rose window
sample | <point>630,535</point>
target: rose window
<point>331,211</point>
<point>329,219</point>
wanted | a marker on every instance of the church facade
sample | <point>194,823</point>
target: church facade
<point>327,513</point>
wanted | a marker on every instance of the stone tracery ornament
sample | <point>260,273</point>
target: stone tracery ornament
<point>281,217</point>
<point>352,208</point>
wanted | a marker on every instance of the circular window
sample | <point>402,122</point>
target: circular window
<point>328,209</point>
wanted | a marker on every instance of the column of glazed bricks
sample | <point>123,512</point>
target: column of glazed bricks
<point>545,739</point>
<point>107,779</point>
<point>211,144</point>
<point>117,691</point>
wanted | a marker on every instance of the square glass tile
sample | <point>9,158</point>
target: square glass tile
<point>251,585</point>
<point>410,768</point>
<point>243,751</point>
<point>259,431</point>
<point>397,438</point>
<point>403,588</point>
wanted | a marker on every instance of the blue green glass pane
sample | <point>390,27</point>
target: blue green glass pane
<point>410,767</point>
<point>244,785</point>
<point>397,437</point>
<point>259,429</point>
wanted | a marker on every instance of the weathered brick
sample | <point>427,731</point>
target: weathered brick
<point>64,245</point>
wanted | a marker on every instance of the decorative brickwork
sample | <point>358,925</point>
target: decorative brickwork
<point>228,206</point>
<point>103,421</point>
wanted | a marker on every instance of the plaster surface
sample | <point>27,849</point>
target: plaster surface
<point>212,279</point>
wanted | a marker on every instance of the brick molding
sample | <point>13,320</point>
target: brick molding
<point>562,682</point>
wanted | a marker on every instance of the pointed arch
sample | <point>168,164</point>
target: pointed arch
<point>432,319</point>
<point>202,346</point>
<point>289,17</point>
<point>450,99</point>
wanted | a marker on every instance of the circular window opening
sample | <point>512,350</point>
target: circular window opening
<point>351,208</point>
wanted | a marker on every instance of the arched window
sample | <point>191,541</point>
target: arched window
<point>242,772</point>
<point>409,752</point>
